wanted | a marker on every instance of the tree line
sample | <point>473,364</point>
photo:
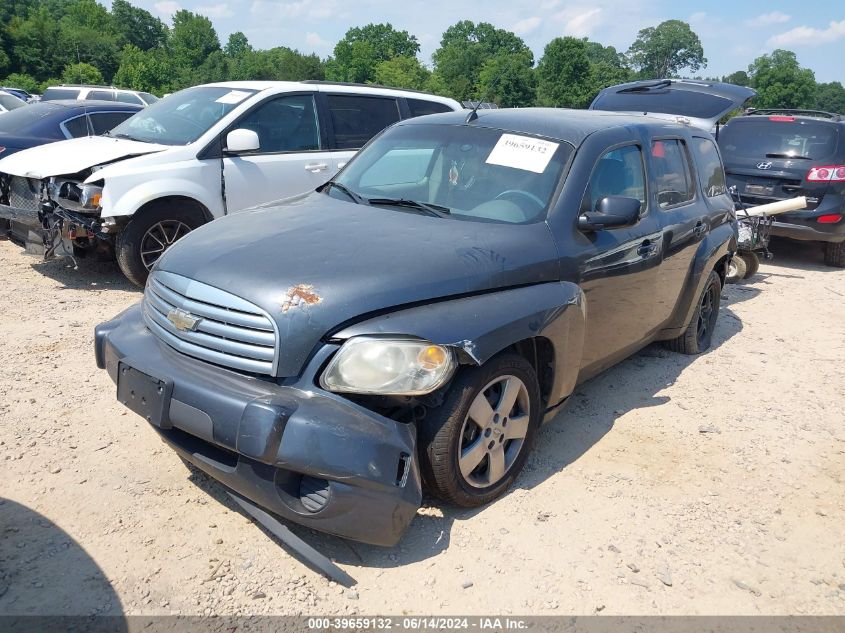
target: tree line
<point>46,42</point>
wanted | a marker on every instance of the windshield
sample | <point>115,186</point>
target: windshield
<point>667,101</point>
<point>182,117</point>
<point>470,172</point>
<point>10,103</point>
<point>761,137</point>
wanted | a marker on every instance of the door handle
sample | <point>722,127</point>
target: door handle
<point>647,249</point>
<point>315,167</point>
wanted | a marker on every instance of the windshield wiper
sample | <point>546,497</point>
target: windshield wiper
<point>355,197</point>
<point>433,209</point>
<point>784,155</point>
<point>128,137</point>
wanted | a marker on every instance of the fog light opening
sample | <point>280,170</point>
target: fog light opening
<point>402,469</point>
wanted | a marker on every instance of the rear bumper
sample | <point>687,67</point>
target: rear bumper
<point>274,443</point>
<point>804,225</point>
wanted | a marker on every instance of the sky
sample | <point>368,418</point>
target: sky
<point>733,33</point>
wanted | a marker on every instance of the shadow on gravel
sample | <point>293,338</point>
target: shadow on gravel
<point>45,573</point>
<point>559,443</point>
<point>89,275</point>
<point>790,254</point>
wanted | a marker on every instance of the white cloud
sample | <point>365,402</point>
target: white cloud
<point>167,7</point>
<point>698,16</point>
<point>311,9</point>
<point>767,19</point>
<point>526,26</point>
<point>221,10</point>
<point>579,23</point>
<point>314,40</point>
<point>808,36</point>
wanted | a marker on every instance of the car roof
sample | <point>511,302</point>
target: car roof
<point>559,123</point>
<point>81,104</point>
<point>312,85</point>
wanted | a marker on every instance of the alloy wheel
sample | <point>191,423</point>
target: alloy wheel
<point>494,431</point>
<point>158,238</point>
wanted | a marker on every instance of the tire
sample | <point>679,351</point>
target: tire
<point>699,333</point>
<point>158,224</point>
<point>834,254</point>
<point>736,270</point>
<point>451,427</point>
<point>752,264</point>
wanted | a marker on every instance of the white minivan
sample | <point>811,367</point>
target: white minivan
<point>193,156</point>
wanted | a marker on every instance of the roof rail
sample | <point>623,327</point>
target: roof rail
<point>323,82</point>
<point>818,114</point>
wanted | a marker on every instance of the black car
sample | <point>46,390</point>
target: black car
<point>771,155</point>
<point>50,121</point>
<point>413,321</point>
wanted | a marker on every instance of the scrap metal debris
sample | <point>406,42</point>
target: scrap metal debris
<point>300,295</point>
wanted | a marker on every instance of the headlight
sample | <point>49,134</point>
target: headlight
<point>77,197</point>
<point>388,366</point>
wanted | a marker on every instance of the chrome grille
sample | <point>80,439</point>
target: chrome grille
<point>24,193</point>
<point>230,331</point>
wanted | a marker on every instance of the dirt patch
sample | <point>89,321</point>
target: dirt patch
<point>670,485</point>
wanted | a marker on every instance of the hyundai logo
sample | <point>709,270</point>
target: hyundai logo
<point>766,165</point>
<point>182,320</point>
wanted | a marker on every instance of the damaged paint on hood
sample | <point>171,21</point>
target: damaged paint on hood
<point>73,156</point>
<point>317,263</point>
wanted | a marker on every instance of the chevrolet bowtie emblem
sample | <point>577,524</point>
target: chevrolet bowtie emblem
<point>182,320</point>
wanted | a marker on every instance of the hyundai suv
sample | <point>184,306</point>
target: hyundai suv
<point>771,155</point>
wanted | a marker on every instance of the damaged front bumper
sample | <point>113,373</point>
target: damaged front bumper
<point>305,454</point>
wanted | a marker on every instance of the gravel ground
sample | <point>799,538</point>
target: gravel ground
<point>670,484</point>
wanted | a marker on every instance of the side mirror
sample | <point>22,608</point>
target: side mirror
<point>241,141</point>
<point>612,212</point>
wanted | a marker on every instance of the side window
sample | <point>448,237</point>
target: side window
<point>102,95</point>
<point>77,127</point>
<point>105,121</point>
<point>286,124</point>
<point>618,172</point>
<point>672,174</point>
<point>128,97</point>
<point>420,107</point>
<point>711,170</point>
<point>358,119</point>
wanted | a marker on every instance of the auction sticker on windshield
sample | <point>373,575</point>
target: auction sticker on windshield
<point>234,96</point>
<point>522,152</point>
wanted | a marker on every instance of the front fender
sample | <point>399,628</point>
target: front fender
<point>117,204</point>
<point>720,242</point>
<point>481,326</point>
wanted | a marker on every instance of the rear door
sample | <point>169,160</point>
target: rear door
<point>292,157</point>
<point>769,158</point>
<point>353,119</point>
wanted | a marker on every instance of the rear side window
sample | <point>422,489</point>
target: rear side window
<point>54,94</point>
<point>358,119</point>
<point>128,97</point>
<point>618,172</point>
<point>672,174</point>
<point>78,127</point>
<point>761,137</point>
<point>102,122</point>
<point>711,171</point>
<point>420,107</point>
<point>101,95</point>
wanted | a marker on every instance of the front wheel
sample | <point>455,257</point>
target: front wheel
<point>474,445</point>
<point>150,232</point>
<point>699,333</point>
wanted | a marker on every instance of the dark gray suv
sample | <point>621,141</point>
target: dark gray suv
<point>412,322</point>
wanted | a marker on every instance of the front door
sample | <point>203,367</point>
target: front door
<point>619,272</point>
<point>290,159</point>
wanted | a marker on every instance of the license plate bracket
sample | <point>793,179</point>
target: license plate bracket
<point>145,395</point>
<point>759,189</point>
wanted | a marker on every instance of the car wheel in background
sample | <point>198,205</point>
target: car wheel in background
<point>150,232</point>
<point>834,254</point>
<point>736,270</point>
<point>699,333</point>
<point>474,445</point>
<point>752,264</point>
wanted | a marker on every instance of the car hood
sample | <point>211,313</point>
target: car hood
<point>699,103</point>
<point>73,156</point>
<point>353,261</point>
